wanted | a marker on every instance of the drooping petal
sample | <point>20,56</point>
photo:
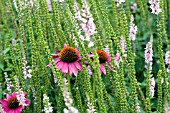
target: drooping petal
<point>65,67</point>
<point>74,69</point>
<point>109,67</point>
<point>49,65</point>
<point>78,65</point>
<point>78,54</point>
<point>4,102</point>
<point>54,55</point>
<point>102,68</point>
<point>108,58</point>
<point>19,109</point>
<point>60,65</point>
<point>13,111</point>
<point>70,70</point>
<point>90,55</point>
<point>57,60</point>
<point>6,108</point>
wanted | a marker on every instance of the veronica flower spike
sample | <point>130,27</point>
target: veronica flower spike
<point>68,60</point>
<point>12,105</point>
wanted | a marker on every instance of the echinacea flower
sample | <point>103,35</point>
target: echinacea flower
<point>12,105</point>
<point>68,60</point>
<point>104,58</point>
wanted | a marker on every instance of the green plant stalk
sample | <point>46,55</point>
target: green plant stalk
<point>33,58</point>
<point>56,15</point>
<point>88,86</point>
<point>51,26</point>
<point>107,99</point>
<point>130,58</point>
<point>99,89</point>
<point>160,103</point>
<point>148,79</point>
<point>78,100</point>
<point>160,51</point>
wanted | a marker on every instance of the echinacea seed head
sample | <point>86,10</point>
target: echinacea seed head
<point>69,54</point>
<point>102,56</point>
<point>13,103</point>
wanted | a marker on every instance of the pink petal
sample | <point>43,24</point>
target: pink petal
<point>14,94</point>
<point>78,65</point>
<point>102,68</point>
<point>65,45</point>
<point>74,69</point>
<point>25,93</point>
<point>4,102</point>
<point>70,69</point>
<point>109,67</point>
<point>57,60</point>
<point>54,55</point>
<point>14,111</point>
<point>58,51</point>
<point>6,108</point>
<point>90,55</point>
<point>60,65</point>
<point>8,97</point>
<point>65,67</point>
<point>116,57</point>
<point>27,102</point>
<point>19,109</point>
<point>86,62</point>
<point>108,58</point>
<point>49,65</point>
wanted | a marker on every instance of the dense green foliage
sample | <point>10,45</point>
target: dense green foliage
<point>29,34</point>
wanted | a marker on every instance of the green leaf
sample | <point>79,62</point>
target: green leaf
<point>2,66</point>
<point>6,50</point>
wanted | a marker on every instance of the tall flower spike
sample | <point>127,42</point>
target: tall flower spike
<point>23,4</point>
<point>138,108</point>
<point>86,19</point>
<point>68,100</point>
<point>134,6</point>
<point>12,105</point>
<point>167,61</point>
<point>8,82</point>
<point>117,58</point>
<point>26,69</point>
<point>47,105</point>
<point>91,108</point>
<point>133,29</point>
<point>152,86</point>
<point>149,54</point>
<point>119,2</point>
<point>123,46</point>
<point>155,6</point>
<point>58,0</point>
<point>49,5</point>
<point>68,60</point>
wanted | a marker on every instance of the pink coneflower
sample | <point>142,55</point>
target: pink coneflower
<point>12,105</point>
<point>104,58</point>
<point>68,60</point>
